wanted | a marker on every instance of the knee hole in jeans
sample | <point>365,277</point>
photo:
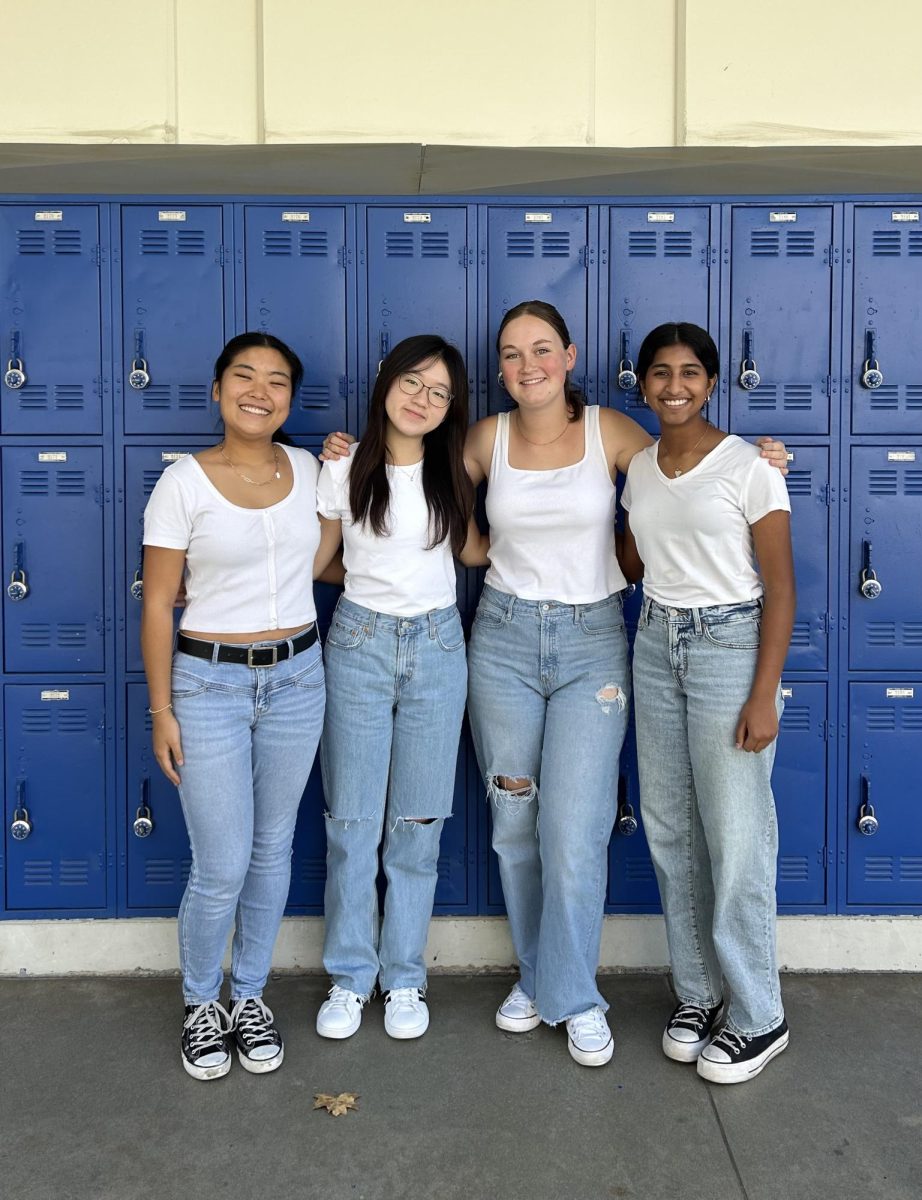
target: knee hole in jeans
<point>511,791</point>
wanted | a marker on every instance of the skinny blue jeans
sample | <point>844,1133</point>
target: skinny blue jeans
<point>395,701</point>
<point>708,808</point>
<point>249,737</point>
<point>548,697</point>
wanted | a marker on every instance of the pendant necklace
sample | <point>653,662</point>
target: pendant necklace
<point>677,471</point>
<point>246,479</point>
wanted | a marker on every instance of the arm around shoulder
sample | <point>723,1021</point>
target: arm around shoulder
<point>622,439</point>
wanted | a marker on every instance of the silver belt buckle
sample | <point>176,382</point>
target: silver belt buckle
<point>256,650</point>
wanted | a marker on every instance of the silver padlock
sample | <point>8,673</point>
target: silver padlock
<point>138,376</point>
<point>17,589</point>
<point>867,822</point>
<point>15,376</point>
<point>872,376</point>
<point>871,587</point>
<point>627,822</point>
<point>137,587</point>
<point>749,376</point>
<point>627,377</point>
<point>21,826</point>
<point>143,822</point>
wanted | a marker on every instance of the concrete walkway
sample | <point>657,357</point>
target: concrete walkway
<point>95,1104</point>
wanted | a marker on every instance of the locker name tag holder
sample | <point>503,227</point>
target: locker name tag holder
<point>296,216</point>
<point>660,218</point>
<point>52,456</point>
<point>538,218</point>
<point>56,694</point>
<point>782,216</point>
<point>171,214</point>
<point>904,216</point>
<point>171,456</point>
<point>787,693</point>
<point>901,456</point>
<point>417,218</point>
<point>49,215</point>
<point>903,693</point>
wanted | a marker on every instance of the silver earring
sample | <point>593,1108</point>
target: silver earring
<point>644,399</point>
<point>499,380</point>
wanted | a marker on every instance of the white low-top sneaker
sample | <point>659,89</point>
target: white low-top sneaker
<point>340,1015</point>
<point>589,1039</point>
<point>405,1013</point>
<point>517,1013</point>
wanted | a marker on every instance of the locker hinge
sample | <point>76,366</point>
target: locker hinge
<point>584,257</point>
<point>344,386</point>
<point>828,385</point>
<point>827,624</point>
<point>826,494</point>
<point>223,256</point>
<point>709,256</point>
<point>343,257</point>
<point>465,257</point>
<point>98,255</point>
<point>825,857</point>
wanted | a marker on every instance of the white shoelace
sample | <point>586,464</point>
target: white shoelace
<point>342,997</point>
<point>589,1024</point>
<point>692,1015</point>
<point>207,1026</point>
<point>252,1019</point>
<point>730,1040</point>
<point>404,998</point>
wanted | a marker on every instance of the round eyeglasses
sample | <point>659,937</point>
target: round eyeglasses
<point>412,385</point>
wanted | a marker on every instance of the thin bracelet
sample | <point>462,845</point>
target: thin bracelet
<point>153,711</point>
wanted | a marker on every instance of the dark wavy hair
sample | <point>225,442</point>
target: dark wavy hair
<point>446,484</point>
<point>575,399</point>
<point>246,341</point>
<point>679,333</point>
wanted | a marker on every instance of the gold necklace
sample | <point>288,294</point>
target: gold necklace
<point>277,474</point>
<point>518,426</point>
<point>677,471</point>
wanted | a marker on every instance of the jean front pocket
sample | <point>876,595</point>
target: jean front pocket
<point>346,634</point>
<point>601,620</point>
<point>450,634</point>
<point>184,685</point>
<point>735,632</point>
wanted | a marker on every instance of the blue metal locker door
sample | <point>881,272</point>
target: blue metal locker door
<point>157,866</point>
<point>886,535</point>
<point>659,270</point>
<point>173,315</point>
<point>296,288</point>
<point>538,254</point>
<point>885,765</point>
<point>632,882</point>
<point>53,533</point>
<point>781,319</point>
<point>455,890</point>
<point>417,263</point>
<point>55,769</point>
<point>887,316</point>
<point>50,319</point>
<point>799,785</point>
<point>808,489</point>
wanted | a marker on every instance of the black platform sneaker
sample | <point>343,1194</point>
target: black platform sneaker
<point>259,1043</point>
<point>205,1048</point>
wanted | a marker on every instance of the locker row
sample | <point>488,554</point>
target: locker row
<point>63,560</point>
<point>110,314</point>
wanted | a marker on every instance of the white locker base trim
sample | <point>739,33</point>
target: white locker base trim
<point>458,944</point>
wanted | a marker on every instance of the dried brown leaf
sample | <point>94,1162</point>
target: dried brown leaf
<point>336,1106</point>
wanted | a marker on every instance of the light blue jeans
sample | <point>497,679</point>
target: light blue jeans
<point>249,737</point>
<point>708,809</point>
<point>395,702</point>
<point>549,690</point>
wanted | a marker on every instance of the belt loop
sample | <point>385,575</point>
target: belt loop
<point>645,609</point>
<point>290,642</point>
<point>215,651</point>
<point>510,608</point>
<point>696,618</point>
<point>432,626</point>
<point>370,622</point>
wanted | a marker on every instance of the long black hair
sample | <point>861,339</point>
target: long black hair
<point>679,333</point>
<point>575,399</point>
<point>268,341</point>
<point>446,484</point>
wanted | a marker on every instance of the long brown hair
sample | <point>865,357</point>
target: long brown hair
<point>446,484</point>
<point>575,399</point>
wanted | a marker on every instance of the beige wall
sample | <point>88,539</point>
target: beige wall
<point>484,72</point>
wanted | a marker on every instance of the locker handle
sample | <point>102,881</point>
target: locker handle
<point>18,587</point>
<point>868,584</point>
<point>871,376</point>
<point>749,378</point>
<point>15,375</point>
<point>143,825</point>
<point>385,347</point>
<point>627,377</point>
<point>867,820</point>
<point>21,825</point>
<point>138,374</point>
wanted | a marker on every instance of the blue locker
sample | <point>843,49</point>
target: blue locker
<point>55,770</point>
<point>659,270</point>
<point>53,534</point>
<point>173,316</point>
<point>809,492</point>
<point>799,785</point>
<point>886,317</point>
<point>885,764</point>
<point>781,319</point>
<point>539,253</point>
<point>295,260</point>
<point>885,630</point>
<point>417,282</point>
<point>50,319</point>
<point>632,885</point>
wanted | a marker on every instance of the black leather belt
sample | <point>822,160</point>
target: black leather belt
<point>248,656</point>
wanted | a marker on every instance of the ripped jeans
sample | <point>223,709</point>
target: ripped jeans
<point>548,700</point>
<point>395,701</point>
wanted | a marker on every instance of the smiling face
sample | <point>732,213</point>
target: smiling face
<point>416,415</point>
<point>676,385</point>
<point>534,361</point>
<point>254,393</point>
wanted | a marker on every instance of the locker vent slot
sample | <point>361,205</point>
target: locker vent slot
<point>878,868</point>
<point>912,483</point>
<point>155,241</point>
<point>398,243</point>
<point>881,633</point>
<point>70,483</point>
<point>33,395</point>
<point>800,483</point>
<point>796,718</point>
<point>798,397</point>
<point>912,633</point>
<point>763,398</point>
<point>313,870</point>
<point>68,395</point>
<point>887,243</point>
<point>66,241</point>
<point>276,243</point>
<point>30,241</point>
<point>911,869</point>
<point>912,720</point>
<point>37,872</point>
<point>793,868</point>
<point>71,636</point>
<point>677,243</point>
<point>443,868</point>
<point>520,244</point>
<point>156,396</point>
<point>913,396</point>
<point>555,244</point>
<point>36,720</point>
<point>434,243</point>
<point>880,719</point>
<point>638,870</point>
<point>799,243</point>
<point>882,482</point>
<point>148,722</point>
<point>193,395</point>
<point>765,243</point>
<point>915,242</point>
<point>149,481</point>
<point>312,243</point>
<point>73,720</point>
<point>886,398</point>
<point>190,241</point>
<point>885,869</point>
<point>161,872</point>
<point>313,396</point>
<point>800,634</point>
<point>33,483</point>
<point>74,872</point>
<point>641,243</point>
<point>36,637</point>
